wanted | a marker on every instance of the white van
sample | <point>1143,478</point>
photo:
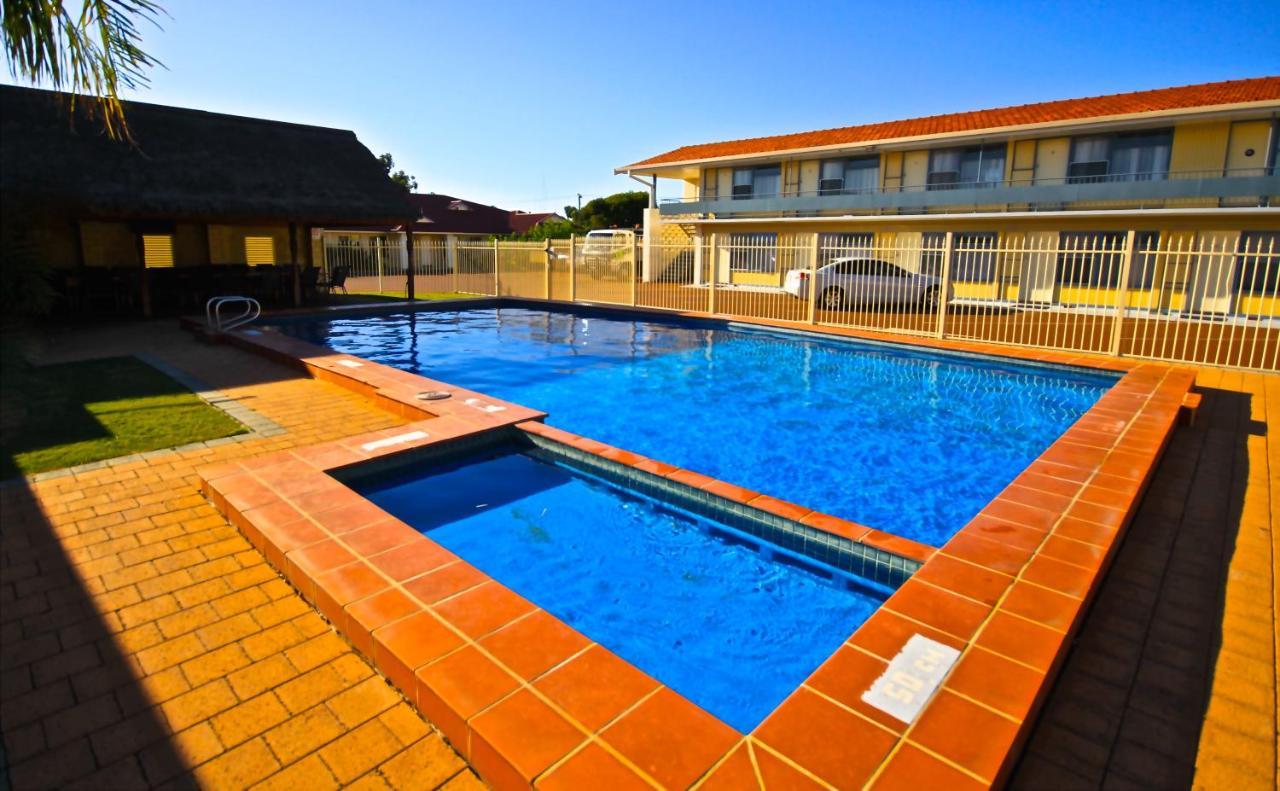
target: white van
<point>606,252</point>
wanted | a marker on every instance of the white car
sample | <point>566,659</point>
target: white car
<point>862,281</point>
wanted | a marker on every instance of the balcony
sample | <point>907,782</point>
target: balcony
<point>1254,186</point>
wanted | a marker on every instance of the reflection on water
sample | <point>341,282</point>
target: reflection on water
<point>910,442</point>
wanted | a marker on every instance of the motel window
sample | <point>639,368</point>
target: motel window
<point>710,187</point>
<point>973,257</point>
<point>762,182</point>
<point>753,252</point>
<point>966,168</point>
<point>259,250</point>
<point>1258,263</point>
<point>841,245</point>
<point>1135,156</point>
<point>1096,258</point>
<point>157,250</point>
<point>849,176</point>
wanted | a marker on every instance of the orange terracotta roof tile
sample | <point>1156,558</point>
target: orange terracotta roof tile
<point>1258,89</point>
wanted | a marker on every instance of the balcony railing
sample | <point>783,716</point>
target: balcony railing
<point>1140,190</point>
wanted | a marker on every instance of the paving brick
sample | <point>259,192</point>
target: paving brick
<point>364,701</point>
<point>360,750</point>
<point>309,773</point>
<point>261,676</point>
<point>249,719</point>
<point>199,704</point>
<point>239,767</point>
<point>304,733</point>
<point>214,664</point>
<point>426,763</point>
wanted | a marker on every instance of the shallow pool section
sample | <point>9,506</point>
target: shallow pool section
<point>732,624</point>
<point>910,442</point>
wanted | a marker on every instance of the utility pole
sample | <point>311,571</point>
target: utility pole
<point>579,201</point>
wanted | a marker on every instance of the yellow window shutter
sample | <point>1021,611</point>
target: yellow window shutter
<point>259,250</point>
<point>157,250</point>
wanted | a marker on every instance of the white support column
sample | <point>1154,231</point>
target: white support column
<point>573,267</point>
<point>813,279</point>
<point>698,239</point>
<point>497,279</point>
<point>711,282</point>
<point>1122,292</point>
<point>652,230</point>
<point>948,247</point>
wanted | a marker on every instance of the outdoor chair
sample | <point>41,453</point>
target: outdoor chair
<point>337,279</point>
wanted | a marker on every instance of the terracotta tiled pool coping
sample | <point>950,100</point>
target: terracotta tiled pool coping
<point>524,697</point>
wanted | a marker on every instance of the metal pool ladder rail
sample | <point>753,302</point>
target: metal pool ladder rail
<point>214,320</point>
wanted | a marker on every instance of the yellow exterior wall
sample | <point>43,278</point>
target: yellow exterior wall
<point>54,240</point>
<point>226,242</point>
<point>891,170</point>
<point>724,182</point>
<point>1246,135</point>
<point>915,168</point>
<point>109,244</point>
<point>1199,146</point>
<point>1052,156</point>
<point>809,170</point>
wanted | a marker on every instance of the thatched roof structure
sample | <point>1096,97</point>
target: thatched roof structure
<point>189,165</point>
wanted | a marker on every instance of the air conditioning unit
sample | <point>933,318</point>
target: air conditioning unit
<point>830,186</point>
<point>741,191</point>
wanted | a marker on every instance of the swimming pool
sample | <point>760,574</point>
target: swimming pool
<point>910,442</point>
<point>692,602</point>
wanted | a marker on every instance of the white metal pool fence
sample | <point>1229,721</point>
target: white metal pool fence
<point>1201,298</point>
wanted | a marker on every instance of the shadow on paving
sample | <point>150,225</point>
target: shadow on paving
<point>1130,702</point>
<point>72,710</point>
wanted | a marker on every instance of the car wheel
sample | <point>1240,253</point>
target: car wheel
<point>929,300</point>
<point>832,298</point>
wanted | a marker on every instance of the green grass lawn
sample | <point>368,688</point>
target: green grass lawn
<point>74,413</point>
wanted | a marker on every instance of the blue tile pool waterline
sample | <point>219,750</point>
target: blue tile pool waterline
<point>912,443</point>
<point>717,621</point>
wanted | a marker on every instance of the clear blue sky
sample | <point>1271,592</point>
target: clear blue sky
<point>525,104</point>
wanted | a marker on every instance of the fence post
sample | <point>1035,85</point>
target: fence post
<point>547,254</point>
<point>948,248</point>
<point>381,254</point>
<point>711,281</point>
<point>573,267</point>
<point>1122,291</point>
<point>813,279</point>
<point>497,280</point>
<point>451,258</point>
<point>409,283</point>
<point>635,267</point>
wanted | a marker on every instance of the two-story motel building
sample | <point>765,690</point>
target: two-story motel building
<point>1190,169</point>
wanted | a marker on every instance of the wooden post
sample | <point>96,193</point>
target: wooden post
<point>408,269</point>
<point>144,284</point>
<point>293,262</point>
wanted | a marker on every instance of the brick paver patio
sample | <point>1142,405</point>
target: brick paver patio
<point>145,641</point>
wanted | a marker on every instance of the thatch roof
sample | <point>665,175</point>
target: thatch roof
<point>189,164</point>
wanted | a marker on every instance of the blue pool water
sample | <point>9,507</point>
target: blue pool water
<point>907,442</point>
<point>714,620</point>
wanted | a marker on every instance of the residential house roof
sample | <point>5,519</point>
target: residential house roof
<point>188,164</point>
<point>1261,89</point>
<point>525,221</point>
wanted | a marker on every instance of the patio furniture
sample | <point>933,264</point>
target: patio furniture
<point>337,279</point>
